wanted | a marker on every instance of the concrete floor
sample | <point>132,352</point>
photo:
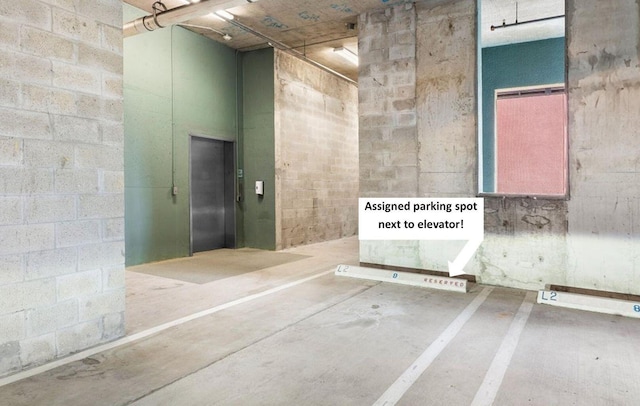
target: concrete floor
<point>341,341</point>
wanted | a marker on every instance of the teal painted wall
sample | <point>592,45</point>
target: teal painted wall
<point>257,144</point>
<point>176,83</point>
<point>524,64</point>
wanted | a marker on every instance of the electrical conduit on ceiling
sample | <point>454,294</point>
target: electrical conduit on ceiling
<point>163,18</point>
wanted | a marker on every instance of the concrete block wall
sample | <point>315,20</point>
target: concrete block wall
<point>446,99</point>
<point>61,179</point>
<point>316,154</point>
<point>389,144</point>
<point>588,241</point>
<point>387,102</point>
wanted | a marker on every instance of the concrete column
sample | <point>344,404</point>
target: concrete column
<point>387,92</point>
<point>61,179</point>
<point>604,128</point>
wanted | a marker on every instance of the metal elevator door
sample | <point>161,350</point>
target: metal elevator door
<point>212,194</point>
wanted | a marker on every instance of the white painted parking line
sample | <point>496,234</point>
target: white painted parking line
<point>146,333</point>
<point>495,374</point>
<point>392,395</point>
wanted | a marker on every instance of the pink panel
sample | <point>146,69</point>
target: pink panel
<point>531,145</point>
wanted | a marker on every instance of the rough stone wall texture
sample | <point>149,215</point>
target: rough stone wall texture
<point>590,240</point>
<point>316,152</point>
<point>61,179</point>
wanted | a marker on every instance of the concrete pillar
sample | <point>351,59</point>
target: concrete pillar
<point>61,179</point>
<point>604,128</point>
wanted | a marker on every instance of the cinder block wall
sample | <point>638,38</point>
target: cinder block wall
<point>61,179</point>
<point>316,154</point>
<point>387,95</point>
<point>389,144</point>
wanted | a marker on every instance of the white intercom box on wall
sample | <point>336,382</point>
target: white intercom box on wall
<point>260,187</point>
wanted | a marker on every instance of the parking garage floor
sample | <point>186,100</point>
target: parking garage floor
<point>296,334</point>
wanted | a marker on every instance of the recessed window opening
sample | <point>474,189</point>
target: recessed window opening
<point>522,103</point>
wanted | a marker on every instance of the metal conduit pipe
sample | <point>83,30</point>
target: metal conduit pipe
<point>291,51</point>
<point>163,18</point>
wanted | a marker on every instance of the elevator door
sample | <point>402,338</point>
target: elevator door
<point>212,192</point>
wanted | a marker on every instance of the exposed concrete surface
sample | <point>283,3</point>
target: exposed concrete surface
<point>603,43</point>
<point>386,86</point>
<point>343,341</point>
<point>316,154</point>
<point>589,240</point>
<point>446,98</point>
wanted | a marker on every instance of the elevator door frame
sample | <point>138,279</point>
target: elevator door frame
<point>229,148</point>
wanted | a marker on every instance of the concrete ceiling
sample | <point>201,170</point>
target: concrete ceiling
<point>316,27</point>
<point>313,27</point>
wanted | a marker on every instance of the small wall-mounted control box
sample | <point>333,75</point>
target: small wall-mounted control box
<point>260,187</point>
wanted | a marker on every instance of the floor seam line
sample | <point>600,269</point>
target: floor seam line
<point>249,345</point>
<point>401,385</point>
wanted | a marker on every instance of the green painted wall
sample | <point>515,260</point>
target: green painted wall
<point>258,148</point>
<point>524,64</point>
<point>176,83</point>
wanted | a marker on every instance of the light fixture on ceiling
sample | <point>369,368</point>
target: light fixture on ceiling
<point>346,54</point>
<point>224,14</point>
<point>224,35</point>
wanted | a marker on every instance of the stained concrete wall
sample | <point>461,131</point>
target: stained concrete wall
<point>316,153</point>
<point>604,129</point>
<point>62,180</point>
<point>176,83</point>
<point>587,241</point>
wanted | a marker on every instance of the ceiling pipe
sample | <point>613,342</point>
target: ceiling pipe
<point>162,17</point>
<point>290,50</point>
<point>537,20</point>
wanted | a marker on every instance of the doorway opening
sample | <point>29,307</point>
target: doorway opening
<point>212,194</point>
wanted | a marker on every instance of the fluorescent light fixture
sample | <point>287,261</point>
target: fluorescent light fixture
<point>225,14</point>
<point>346,54</point>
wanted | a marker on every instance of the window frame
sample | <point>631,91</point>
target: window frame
<point>553,88</point>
